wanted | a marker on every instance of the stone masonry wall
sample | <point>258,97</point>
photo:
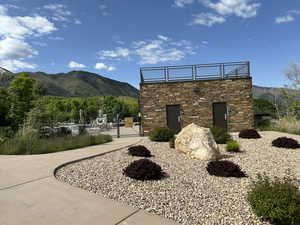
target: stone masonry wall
<point>197,107</point>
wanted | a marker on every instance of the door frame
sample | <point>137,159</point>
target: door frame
<point>213,113</point>
<point>180,123</point>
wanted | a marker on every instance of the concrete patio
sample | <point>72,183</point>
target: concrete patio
<point>30,194</point>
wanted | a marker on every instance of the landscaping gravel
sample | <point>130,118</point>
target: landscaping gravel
<point>188,195</point>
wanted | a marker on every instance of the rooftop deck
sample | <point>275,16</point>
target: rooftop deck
<point>214,71</point>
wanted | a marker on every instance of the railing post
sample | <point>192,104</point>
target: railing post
<point>248,65</point>
<point>118,126</point>
<point>140,123</point>
<point>194,72</point>
<point>166,74</point>
<point>142,78</point>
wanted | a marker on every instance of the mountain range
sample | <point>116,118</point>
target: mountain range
<point>86,84</point>
<point>75,84</point>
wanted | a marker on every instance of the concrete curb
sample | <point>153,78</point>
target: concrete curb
<point>90,157</point>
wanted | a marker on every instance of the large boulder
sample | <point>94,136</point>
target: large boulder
<point>197,142</point>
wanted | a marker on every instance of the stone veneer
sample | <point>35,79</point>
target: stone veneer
<point>197,107</point>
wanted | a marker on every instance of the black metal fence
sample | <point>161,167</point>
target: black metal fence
<point>195,72</point>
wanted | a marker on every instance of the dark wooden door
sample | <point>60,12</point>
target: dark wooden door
<point>173,118</point>
<point>220,115</point>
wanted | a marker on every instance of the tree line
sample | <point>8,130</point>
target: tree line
<point>25,101</point>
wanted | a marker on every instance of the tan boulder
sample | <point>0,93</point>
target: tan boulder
<point>197,142</point>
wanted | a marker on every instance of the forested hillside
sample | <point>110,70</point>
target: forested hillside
<point>75,84</point>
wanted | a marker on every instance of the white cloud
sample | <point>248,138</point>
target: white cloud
<point>77,21</point>
<point>14,30</point>
<point>102,66</point>
<point>159,55</point>
<point>240,8</point>
<point>294,12</point>
<point>284,19</point>
<point>164,38</point>
<point>60,12</point>
<point>21,27</point>
<point>14,65</point>
<point>73,65</point>
<point>56,38</point>
<point>3,10</point>
<point>117,53</point>
<point>15,49</point>
<point>12,6</point>
<point>103,9</point>
<point>182,3</point>
<point>161,49</point>
<point>223,9</point>
<point>207,19</point>
<point>42,44</point>
<point>290,17</point>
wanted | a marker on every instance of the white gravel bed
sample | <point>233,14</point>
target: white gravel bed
<point>189,195</point>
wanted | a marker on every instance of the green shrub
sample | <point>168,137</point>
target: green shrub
<point>232,146</point>
<point>220,135</point>
<point>172,142</point>
<point>277,201</point>
<point>161,134</point>
<point>31,144</point>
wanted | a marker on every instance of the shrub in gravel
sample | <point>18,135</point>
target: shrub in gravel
<point>161,134</point>
<point>249,134</point>
<point>220,135</point>
<point>143,169</point>
<point>285,142</point>
<point>224,168</point>
<point>172,142</point>
<point>277,201</point>
<point>139,150</point>
<point>232,146</point>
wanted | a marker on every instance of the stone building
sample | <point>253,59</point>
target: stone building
<point>208,95</point>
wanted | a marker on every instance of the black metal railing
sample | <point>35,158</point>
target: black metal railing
<point>195,72</point>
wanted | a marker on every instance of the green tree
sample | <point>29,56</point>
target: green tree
<point>22,95</point>
<point>4,107</point>
<point>264,106</point>
<point>292,92</point>
<point>112,106</point>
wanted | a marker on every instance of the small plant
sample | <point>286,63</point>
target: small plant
<point>277,201</point>
<point>172,142</point>
<point>233,146</point>
<point>139,150</point>
<point>224,168</point>
<point>161,134</point>
<point>143,169</point>
<point>249,134</point>
<point>220,135</point>
<point>285,142</point>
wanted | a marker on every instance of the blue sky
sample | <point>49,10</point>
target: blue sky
<point>116,37</point>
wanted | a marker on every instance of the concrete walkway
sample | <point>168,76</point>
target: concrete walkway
<point>30,194</point>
